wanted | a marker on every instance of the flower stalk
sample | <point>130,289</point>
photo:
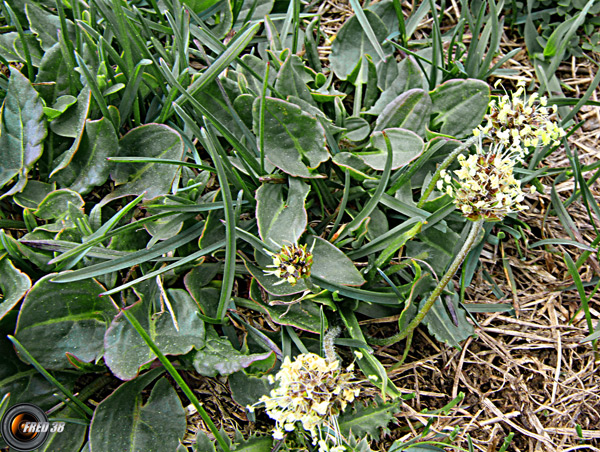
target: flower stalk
<point>458,260</point>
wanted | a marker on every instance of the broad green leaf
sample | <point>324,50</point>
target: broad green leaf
<point>123,422</point>
<point>212,98</point>
<point>406,146</point>
<point>284,310</point>
<point>332,265</point>
<point>70,317</point>
<point>46,25</point>
<point>125,351</point>
<point>442,325</point>
<point>218,357</point>
<point>246,389</point>
<point>23,382</point>
<point>89,167</point>
<point>71,438</point>
<point>22,131</point>
<point>459,106</point>
<point>56,204</point>
<point>291,81</point>
<point>258,66</point>
<point>149,140</point>
<point>222,19</point>
<point>53,78</point>
<point>409,111</point>
<point>294,140</point>
<point>355,165</point>
<point>60,106</point>
<point>199,5</point>
<point>357,129</point>
<point>259,9</point>
<point>13,51</point>
<point>14,284</point>
<point>203,443</point>
<point>410,76</point>
<point>281,221</point>
<point>351,43</point>
<point>71,124</point>
<point>7,47</point>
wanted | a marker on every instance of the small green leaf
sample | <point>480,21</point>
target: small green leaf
<point>33,194</point>
<point>410,110</point>
<point>352,42</point>
<point>219,357</point>
<point>357,129</point>
<point>291,80</point>
<point>54,78</point>
<point>89,167</point>
<point>355,165</point>
<point>332,265</point>
<point>441,325</point>
<point>56,204</point>
<point>70,317</point>
<point>246,389</point>
<point>22,131</point>
<point>406,146</point>
<point>459,106</point>
<point>281,221</point>
<point>294,139</point>
<point>71,124</point>
<point>60,106</point>
<point>149,140</point>
<point>126,351</point>
<point>14,284</point>
<point>123,422</point>
<point>368,420</point>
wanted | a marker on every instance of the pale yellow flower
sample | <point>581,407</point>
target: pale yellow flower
<point>485,186</point>
<point>520,122</point>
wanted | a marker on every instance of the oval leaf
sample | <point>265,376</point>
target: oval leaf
<point>294,140</point>
<point>14,284</point>
<point>22,130</point>
<point>351,43</point>
<point>459,106</point>
<point>69,317</point>
<point>219,357</point>
<point>409,110</point>
<point>126,351</point>
<point>332,265</point>
<point>122,422</point>
<point>281,221</point>
<point>406,146</point>
<point>155,179</point>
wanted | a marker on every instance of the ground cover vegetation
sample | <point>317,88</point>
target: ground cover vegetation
<point>243,224</point>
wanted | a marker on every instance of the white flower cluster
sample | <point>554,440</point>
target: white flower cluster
<point>313,391</point>
<point>485,186</point>
<point>520,122</point>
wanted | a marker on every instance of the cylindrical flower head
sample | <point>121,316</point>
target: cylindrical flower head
<point>292,263</point>
<point>484,186</point>
<point>520,122</point>
<point>310,390</point>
